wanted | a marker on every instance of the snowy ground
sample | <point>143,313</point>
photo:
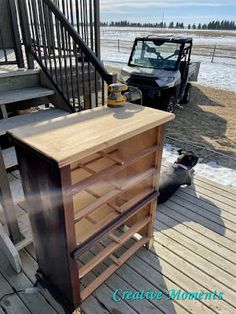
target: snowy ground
<point>220,74</point>
<point>210,170</point>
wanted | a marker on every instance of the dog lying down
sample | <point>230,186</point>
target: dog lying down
<point>178,174</point>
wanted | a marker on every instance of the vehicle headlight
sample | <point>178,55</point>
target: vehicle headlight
<point>170,78</point>
<point>165,81</point>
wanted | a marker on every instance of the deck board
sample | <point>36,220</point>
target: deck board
<point>203,207</point>
<point>194,249</point>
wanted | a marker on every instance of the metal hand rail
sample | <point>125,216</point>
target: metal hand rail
<point>73,68</point>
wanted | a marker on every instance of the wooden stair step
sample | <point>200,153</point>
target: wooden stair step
<point>28,118</point>
<point>24,94</point>
<point>19,73</point>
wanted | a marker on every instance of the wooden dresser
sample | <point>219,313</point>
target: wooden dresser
<point>91,181</point>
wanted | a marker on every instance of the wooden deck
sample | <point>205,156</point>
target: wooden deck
<point>194,250</point>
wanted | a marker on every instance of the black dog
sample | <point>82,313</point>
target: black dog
<point>178,174</point>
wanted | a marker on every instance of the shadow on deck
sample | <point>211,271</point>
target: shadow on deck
<point>194,250</point>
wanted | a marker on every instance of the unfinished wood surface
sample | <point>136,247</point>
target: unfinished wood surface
<point>100,169</point>
<point>12,96</point>
<point>113,125</point>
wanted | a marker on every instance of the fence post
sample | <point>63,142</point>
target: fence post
<point>213,54</point>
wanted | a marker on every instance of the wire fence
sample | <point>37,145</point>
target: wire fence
<point>211,51</point>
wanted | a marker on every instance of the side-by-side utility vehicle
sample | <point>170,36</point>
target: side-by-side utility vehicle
<point>160,67</point>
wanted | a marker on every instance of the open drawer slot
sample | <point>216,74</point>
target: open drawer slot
<point>94,212</point>
<point>97,264</point>
<point>105,165</point>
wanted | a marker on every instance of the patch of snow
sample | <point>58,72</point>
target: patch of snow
<point>210,170</point>
<point>219,74</point>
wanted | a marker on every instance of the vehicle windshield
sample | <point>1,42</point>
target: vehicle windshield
<point>155,54</point>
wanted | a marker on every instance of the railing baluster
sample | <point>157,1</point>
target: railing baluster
<point>52,41</point>
<point>46,17</point>
<point>103,94</point>
<point>68,62</point>
<point>81,19</point>
<point>91,23</point>
<point>3,46</point>
<point>77,75</point>
<point>59,53</point>
<point>89,85</point>
<point>83,78</point>
<point>77,15</point>
<point>37,25</point>
<point>33,35</point>
<point>65,61</point>
<point>71,69</point>
<point>96,86</point>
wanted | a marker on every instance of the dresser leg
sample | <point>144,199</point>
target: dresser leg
<point>149,244</point>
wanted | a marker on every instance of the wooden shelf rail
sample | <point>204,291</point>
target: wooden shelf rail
<point>84,212</point>
<point>105,173</point>
<point>111,269</point>
<point>112,247</point>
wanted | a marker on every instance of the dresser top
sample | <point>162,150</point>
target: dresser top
<point>69,138</point>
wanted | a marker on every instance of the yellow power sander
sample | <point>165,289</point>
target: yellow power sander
<point>117,99</point>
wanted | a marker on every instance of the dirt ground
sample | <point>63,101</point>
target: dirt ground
<point>207,124</point>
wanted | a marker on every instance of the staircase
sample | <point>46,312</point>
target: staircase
<point>21,90</point>
<point>62,41</point>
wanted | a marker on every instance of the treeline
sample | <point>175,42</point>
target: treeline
<point>217,25</point>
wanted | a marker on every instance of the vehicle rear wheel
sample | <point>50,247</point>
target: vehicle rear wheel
<point>187,94</point>
<point>169,104</point>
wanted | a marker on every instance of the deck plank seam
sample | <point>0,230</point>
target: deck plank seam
<point>130,284</point>
<point>177,196</point>
<point>41,292</point>
<point>184,273</point>
<point>210,220</point>
<point>193,264</point>
<point>199,244</point>
<point>215,190</point>
<point>17,294</point>
<point>216,185</point>
<point>188,198</point>
<point>227,237</point>
<point>203,234</point>
<point>186,191</point>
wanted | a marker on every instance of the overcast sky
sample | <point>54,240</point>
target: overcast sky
<point>193,11</point>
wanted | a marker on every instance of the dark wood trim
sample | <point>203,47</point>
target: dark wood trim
<point>86,245</point>
<point>43,190</point>
<point>70,231</point>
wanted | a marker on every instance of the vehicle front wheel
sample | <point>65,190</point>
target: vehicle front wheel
<point>169,104</point>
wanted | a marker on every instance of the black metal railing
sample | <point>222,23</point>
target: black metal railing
<point>84,16</point>
<point>71,65</point>
<point>10,44</point>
